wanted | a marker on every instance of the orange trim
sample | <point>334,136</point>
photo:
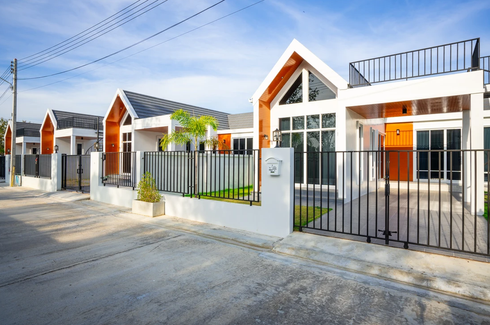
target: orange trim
<point>47,136</point>
<point>402,141</point>
<point>8,140</point>
<point>112,125</point>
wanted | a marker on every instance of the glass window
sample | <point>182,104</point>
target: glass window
<point>298,123</point>
<point>295,93</point>
<point>297,144</point>
<point>454,157</point>
<point>285,124</point>
<point>286,140</point>
<point>328,158</point>
<point>250,143</point>
<point>128,120</point>
<point>328,120</point>
<point>318,90</point>
<point>423,157</point>
<point>313,143</point>
<point>313,122</point>
<point>437,157</point>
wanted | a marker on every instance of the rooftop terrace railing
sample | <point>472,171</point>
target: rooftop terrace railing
<point>28,133</point>
<point>485,66</point>
<point>80,122</point>
<point>447,58</point>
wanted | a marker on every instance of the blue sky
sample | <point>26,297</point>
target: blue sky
<point>218,66</point>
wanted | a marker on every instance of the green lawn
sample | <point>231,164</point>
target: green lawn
<point>312,212</point>
<point>230,195</point>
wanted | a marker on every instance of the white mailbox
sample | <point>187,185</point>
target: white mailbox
<point>273,166</point>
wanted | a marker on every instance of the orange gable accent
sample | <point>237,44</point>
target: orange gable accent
<point>224,141</point>
<point>270,93</point>
<point>113,123</point>
<point>8,140</point>
<point>47,136</point>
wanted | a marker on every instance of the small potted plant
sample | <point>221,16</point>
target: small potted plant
<point>148,202</point>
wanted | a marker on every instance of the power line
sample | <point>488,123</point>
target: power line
<point>81,31</point>
<point>6,99</point>
<point>148,48</point>
<point>84,40</point>
<point>128,47</point>
<point>8,88</point>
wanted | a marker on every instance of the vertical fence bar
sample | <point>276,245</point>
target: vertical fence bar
<point>463,198</point>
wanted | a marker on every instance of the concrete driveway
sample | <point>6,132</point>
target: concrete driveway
<point>81,262</point>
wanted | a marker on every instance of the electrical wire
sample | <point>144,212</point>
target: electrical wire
<point>47,57</point>
<point>148,48</point>
<point>5,92</point>
<point>127,47</point>
<point>6,99</point>
<point>81,31</point>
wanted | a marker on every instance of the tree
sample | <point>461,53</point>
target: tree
<point>193,130</point>
<point>3,128</point>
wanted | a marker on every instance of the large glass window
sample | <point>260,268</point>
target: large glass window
<point>318,136</point>
<point>318,90</point>
<point>295,92</point>
<point>241,144</point>
<point>453,157</point>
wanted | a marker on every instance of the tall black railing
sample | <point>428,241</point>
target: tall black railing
<point>80,122</point>
<point>18,164</point>
<point>28,133</point>
<point>221,174</point>
<point>424,198</point>
<point>119,169</point>
<point>2,166</point>
<point>485,66</point>
<point>447,58</point>
<point>37,166</point>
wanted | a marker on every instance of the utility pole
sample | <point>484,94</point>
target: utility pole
<point>14,123</point>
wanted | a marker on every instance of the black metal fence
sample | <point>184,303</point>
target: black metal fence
<point>26,132</point>
<point>75,171</point>
<point>452,57</point>
<point>485,66</point>
<point>37,166</point>
<point>223,174</point>
<point>2,167</point>
<point>410,197</point>
<point>18,165</point>
<point>119,169</point>
<point>91,123</point>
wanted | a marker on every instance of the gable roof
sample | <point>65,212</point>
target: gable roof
<point>241,121</point>
<point>27,129</point>
<point>149,106</point>
<point>293,56</point>
<point>66,120</point>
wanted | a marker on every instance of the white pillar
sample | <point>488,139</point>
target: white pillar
<point>56,171</point>
<point>73,145</point>
<point>24,148</point>
<point>278,192</point>
<point>7,169</point>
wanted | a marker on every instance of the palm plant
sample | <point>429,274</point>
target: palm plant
<point>193,130</point>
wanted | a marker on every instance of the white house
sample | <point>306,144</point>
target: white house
<point>27,139</point>
<point>73,133</point>
<point>436,98</point>
<point>137,122</point>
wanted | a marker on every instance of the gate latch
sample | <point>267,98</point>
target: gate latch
<point>389,232</point>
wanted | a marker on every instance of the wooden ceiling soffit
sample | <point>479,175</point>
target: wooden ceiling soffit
<point>117,111</point>
<point>426,106</point>
<point>282,77</point>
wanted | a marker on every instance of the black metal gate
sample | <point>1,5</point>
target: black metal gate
<point>405,198</point>
<point>76,173</point>
<point>2,167</point>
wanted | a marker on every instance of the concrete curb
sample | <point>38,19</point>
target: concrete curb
<point>453,275</point>
<point>208,230</point>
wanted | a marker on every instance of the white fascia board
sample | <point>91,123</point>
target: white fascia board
<point>49,112</point>
<point>27,139</point>
<point>77,132</point>
<point>425,118</point>
<point>242,134</point>
<point>308,56</point>
<point>152,122</point>
<point>236,131</point>
<point>126,103</point>
<point>431,87</point>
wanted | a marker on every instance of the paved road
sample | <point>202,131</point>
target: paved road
<point>89,263</point>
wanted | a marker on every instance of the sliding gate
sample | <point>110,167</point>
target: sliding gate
<point>407,198</point>
<point>76,173</point>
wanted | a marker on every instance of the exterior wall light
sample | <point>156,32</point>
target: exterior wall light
<point>404,109</point>
<point>8,151</point>
<point>266,137</point>
<point>56,148</point>
<point>397,131</point>
<point>112,145</point>
<point>96,146</point>
<point>277,137</point>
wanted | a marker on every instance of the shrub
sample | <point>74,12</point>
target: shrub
<point>147,190</point>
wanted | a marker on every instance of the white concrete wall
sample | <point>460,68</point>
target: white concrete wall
<point>274,217</point>
<point>146,140</point>
<point>48,185</point>
<point>7,169</point>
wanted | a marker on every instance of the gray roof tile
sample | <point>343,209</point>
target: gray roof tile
<point>148,106</point>
<point>241,121</point>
